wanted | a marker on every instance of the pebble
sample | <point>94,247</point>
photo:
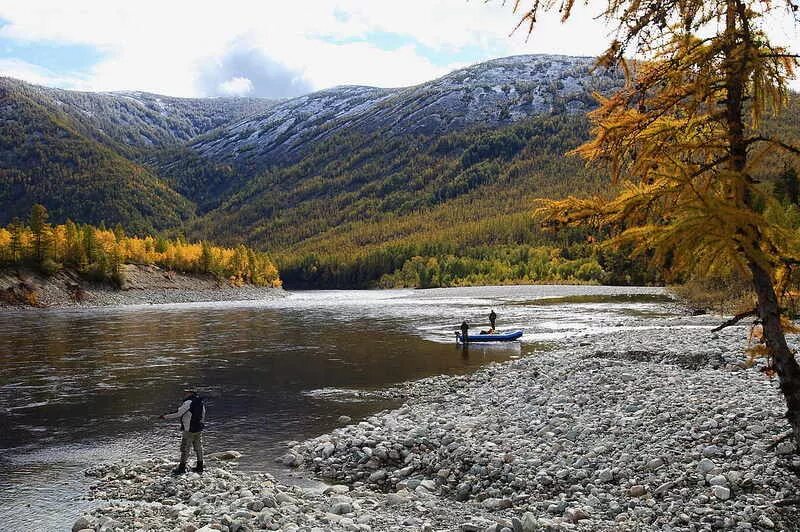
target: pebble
<point>721,492</point>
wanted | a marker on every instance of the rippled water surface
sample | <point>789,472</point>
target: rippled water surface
<point>78,387</point>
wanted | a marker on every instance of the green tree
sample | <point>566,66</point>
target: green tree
<point>787,187</point>
<point>683,138</point>
<point>74,253</point>
<point>40,230</point>
<point>206,258</point>
<point>15,228</point>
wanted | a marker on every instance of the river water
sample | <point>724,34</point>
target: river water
<point>85,386</point>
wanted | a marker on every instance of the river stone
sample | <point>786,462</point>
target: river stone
<point>663,488</point>
<point>721,492</point>
<point>328,449</point>
<point>496,504</point>
<point>711,450</point>
<point>393,499</point>
<point>428,484</point>
<point>529,522</point>
<point>705,465</point>
<point>82,523</point>
<point>269,501</point>
<point>255,506</point>
<point>337,489</point>
<point>718,480</point>
<point>282,498</point>
<point>573,515</point>
<point>378,475</point>
<point>637,491</point>
<point>109,526</point>
<point>225,455</point>
<point>766,522</point>
<point>785,447</point>
<point>404,472</point>
<point>344,420</point>
<point>605,475</point>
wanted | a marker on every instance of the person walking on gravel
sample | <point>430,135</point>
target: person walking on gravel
<point>192,414</point>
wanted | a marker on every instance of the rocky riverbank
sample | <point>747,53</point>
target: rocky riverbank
<point>598,436</point>
<point>143,284</point>
<point>637,430</point>
<point>144,496</point>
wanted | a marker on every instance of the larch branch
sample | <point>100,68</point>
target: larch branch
<point>736,319</point>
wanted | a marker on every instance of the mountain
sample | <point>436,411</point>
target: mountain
<point>349,186</point>
<point>491,94</point>
<point>336,175</point>
<point>84,154</point>
<point>137,119</point>
<point>45,158</point>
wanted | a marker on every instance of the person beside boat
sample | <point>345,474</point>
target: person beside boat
<point>492,319</point>
<point>464,331</point>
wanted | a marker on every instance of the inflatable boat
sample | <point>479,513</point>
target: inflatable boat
<point>509,336</point>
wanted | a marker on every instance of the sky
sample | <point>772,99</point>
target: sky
<point>271,48</point>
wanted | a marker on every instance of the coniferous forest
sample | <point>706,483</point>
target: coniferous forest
<point>356,208</point>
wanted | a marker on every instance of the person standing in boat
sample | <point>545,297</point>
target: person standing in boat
<point>492,319</point>
<point>464,331</point>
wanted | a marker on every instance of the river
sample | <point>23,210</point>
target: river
<point>84,386</point>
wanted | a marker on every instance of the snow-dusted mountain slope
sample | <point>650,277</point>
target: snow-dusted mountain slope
<point>494,93</point>
<point>137,119</point>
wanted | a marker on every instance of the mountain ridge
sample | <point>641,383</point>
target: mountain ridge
<point>343,185</point>
<point>496,92</point>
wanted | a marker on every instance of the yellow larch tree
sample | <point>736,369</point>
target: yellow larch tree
<point>682,141</point>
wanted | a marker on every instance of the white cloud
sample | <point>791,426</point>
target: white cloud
<point>19,69</point>
<point>237,86</point>
<point>167,46</point>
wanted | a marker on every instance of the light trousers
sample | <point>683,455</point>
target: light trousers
<point>190,440</point>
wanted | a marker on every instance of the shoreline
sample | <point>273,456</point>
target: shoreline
<point>144,285</point>
<point>632,431</point>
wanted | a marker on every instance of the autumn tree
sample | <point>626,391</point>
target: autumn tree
<point>682,140</point>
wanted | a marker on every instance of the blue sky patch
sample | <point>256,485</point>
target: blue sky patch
<point>56,57</point>
<point>440,57</point>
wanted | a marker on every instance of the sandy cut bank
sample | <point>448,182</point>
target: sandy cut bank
<point>143,284</point>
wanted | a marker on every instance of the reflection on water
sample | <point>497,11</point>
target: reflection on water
<point>82,386</point>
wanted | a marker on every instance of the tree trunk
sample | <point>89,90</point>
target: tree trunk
<point>783,360</point>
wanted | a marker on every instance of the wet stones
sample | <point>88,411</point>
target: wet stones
<point>545,443</point>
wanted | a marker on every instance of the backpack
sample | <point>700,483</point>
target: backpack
<point>196,408</point>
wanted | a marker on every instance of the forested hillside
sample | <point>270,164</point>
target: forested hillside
<point>431,185</point>
<point>45,159</point>
<point>359,207</point>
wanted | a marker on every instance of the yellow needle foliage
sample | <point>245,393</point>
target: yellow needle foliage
<point>688,196</point>
<point>682,138</point>
<point>98,253</point>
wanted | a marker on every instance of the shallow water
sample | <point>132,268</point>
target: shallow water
<point>79,387</point>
